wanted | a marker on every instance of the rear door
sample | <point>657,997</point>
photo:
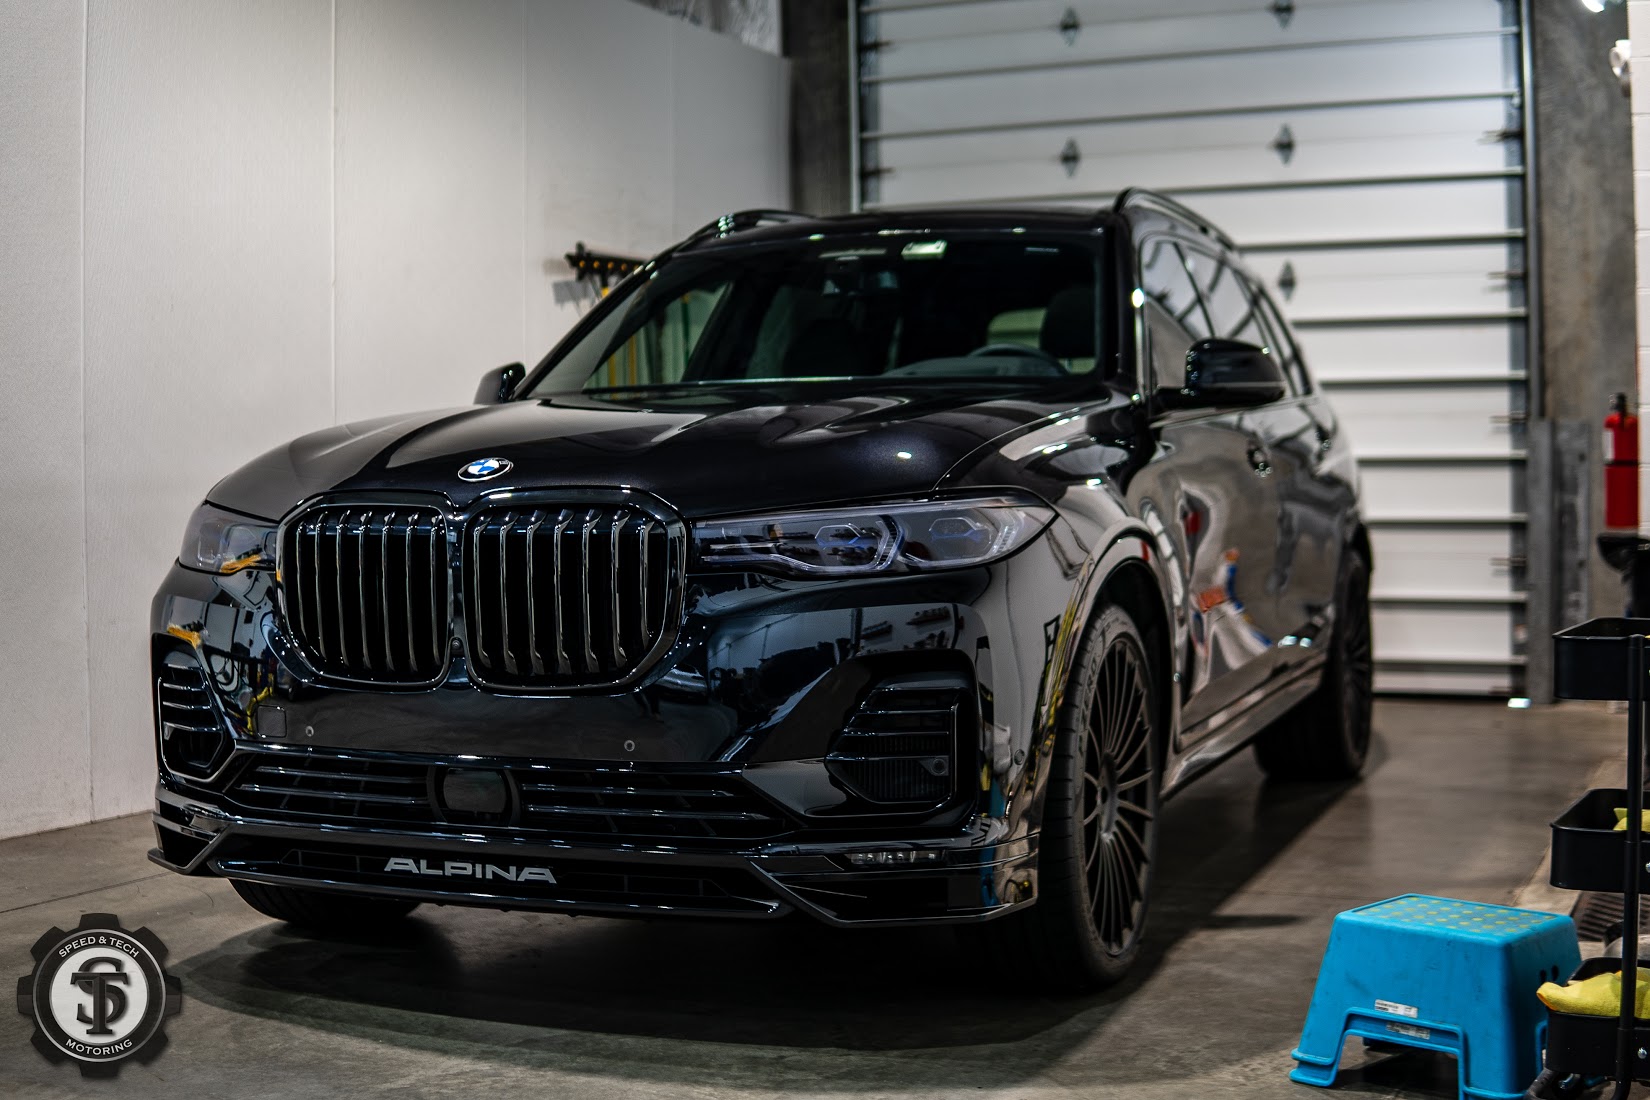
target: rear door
<point>1308,449</point>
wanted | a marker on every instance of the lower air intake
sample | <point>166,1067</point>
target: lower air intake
<point>900,745</point>
<point>192,740</point>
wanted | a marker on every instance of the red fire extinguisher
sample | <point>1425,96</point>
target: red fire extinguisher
<point>1621,465</point>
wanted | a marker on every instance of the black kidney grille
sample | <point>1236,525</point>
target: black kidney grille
<point>567,597</point>
<point>900,745</point>
<point>365,591</point>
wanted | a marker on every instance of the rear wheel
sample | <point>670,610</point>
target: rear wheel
<point>1327,735</point>
<point>1099,836</point>
<point>321,910</point>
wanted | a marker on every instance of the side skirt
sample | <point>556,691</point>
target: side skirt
<point>1241,724</point>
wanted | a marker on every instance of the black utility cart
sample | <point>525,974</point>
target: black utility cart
<point>1603,659</point>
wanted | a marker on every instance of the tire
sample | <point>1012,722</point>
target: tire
<point>321,910</point>
<point>1099,834</point>
<point>1326,737</point>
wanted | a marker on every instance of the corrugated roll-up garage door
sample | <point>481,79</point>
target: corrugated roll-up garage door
<point>1367,155</point>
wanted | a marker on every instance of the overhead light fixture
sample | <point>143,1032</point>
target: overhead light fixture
<point>1593,5</point>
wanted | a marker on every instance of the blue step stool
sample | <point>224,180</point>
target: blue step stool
<point>1455,976</point>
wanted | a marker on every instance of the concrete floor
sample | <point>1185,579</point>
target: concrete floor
<point>1456,802</point>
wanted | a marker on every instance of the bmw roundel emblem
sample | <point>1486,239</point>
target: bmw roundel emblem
<point>485,469</point>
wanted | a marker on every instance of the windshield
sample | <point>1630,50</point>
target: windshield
<point>907,309</point>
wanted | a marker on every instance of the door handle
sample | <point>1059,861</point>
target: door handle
<point>1260,460</point>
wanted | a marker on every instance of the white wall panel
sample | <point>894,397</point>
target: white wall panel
<point>729,117</point>
<point>43,743</point>
<point>472,145</point>
<point>430,187</point>
<point>693,129</point>
<point>208,301</point>
<point>599,143</point>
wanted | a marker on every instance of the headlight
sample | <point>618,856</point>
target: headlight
<point>888,538</point>
<point>219,541</point>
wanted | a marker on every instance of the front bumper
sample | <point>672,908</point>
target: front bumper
<point>763,682</point>
<point>958,880</point>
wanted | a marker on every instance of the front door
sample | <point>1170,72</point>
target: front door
<point>1210,482</point>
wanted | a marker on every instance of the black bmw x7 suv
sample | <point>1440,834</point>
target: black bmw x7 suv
<point>886,568</point>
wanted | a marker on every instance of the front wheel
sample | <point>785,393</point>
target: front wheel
<point>1099,836</point>
<point>1327,735</point>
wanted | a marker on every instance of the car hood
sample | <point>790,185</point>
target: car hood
<point>700,461</point>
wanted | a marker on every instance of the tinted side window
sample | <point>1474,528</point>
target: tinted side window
<point>1274,344</point>
<point>1231,310</point>
<point>1283,345</point>
<point>1165,280</point>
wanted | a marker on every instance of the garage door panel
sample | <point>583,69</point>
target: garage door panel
<point>1433,678</point>
<point>1437,420</point>
<point>1427,68</point>
<point>1422,633</point>
<point>1437,491</point>
<point>936,40</point>
<point>1341,355</point>
<point>1442,561</point>
<point>1390,142</point>
<point>1338,284</point>
<point>1453,208</point>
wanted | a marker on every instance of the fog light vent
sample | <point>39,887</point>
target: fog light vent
<point>900,746</point>
<point>192,740</point>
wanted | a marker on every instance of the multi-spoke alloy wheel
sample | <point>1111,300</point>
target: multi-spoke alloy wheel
<point>1097,843</point>
<point>1117,821</point>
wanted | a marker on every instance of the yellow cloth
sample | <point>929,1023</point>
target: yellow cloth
<point>1621,820</point>
<point>1599,995</point>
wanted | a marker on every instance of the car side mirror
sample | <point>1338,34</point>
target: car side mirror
<point>499,384</point>
<point>1226,374</point>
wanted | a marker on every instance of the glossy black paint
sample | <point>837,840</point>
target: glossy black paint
<point>1226,374</point>
<point>1218,524</point>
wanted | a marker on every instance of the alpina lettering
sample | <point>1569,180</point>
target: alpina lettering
<point>457,868</point>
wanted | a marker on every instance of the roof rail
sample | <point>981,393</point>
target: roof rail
<point>1163,204</point>
<point>741,220</point>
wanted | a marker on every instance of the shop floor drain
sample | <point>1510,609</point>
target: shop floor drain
<point>1595,914</point>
